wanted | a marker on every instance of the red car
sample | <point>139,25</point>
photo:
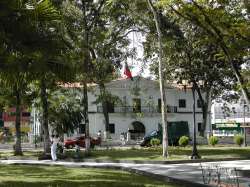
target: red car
<point>80,141</point>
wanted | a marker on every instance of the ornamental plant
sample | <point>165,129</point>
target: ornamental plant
<point>238,139</point>
<point>213,140</point>
<point>183,141</point>
<point>155,142</point>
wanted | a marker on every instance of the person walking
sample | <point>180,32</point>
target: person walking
<point>55,141</point>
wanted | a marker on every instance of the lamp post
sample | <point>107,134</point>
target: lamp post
<point>244,124</point>
<point>195,154</point>
<point>35,128</point>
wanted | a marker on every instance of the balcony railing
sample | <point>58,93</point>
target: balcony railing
<point>220,115</point>
<point>143,109</point>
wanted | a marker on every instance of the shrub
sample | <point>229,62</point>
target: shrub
<point>238,139</point>
<point>183,141</point>
<point>155,142</point>
<point>213,140</point>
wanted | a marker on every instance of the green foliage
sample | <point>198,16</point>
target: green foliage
<point>107,97</point>
<point>183,141</point>
<point>238,139</point>
<point>213,140</point>
<point>65,110</point>
<point>155,142</point>
<point>225,25</point>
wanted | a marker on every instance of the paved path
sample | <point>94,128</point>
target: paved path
<point>187,173</point>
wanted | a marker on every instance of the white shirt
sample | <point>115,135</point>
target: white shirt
<point>55,141</point>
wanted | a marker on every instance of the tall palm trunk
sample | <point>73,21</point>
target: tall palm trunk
<point>18,147</point>
<point>163,95</point>
<point>86,118</point>
<point>45,126</point>
<point>105,110</point>
<point>86,63</point>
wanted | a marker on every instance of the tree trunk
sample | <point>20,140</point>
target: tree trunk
<point>204,120</point>
<point>161,80</point>
<point>45,126</point>
<point>239,77</point>
<point>18,147</point>
<point>204,105</point>
<point>86,63</point>
<point>86,118</point>
<point>105,110</point>
<point>205,113</point>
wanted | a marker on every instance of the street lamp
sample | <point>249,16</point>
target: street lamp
<point>244,123</point>
<point>195,154</point>
<point>35,127</point>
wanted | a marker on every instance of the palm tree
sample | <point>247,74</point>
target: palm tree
<point>15,79</point>
<point>29,29</point>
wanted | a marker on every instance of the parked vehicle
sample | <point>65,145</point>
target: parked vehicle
<point>175,131</point>
<point>80,141</point>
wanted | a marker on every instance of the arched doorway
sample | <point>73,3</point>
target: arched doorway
<point>137,130</point>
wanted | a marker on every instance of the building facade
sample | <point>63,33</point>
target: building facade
<point>9,119</point>
<point>139,109</point>
<point>231,118</point>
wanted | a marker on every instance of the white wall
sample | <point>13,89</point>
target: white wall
<point>149,92</point>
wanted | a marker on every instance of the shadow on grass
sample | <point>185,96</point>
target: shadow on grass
<point>18,175</point>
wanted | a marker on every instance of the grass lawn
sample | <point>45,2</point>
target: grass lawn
<point>26,154</point>
<point>176,153</point>
<point>154,154</point>
<point>29,176</point>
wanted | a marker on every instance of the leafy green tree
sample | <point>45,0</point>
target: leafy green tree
<point>225,24</point>
<point>192,51</point>
<point>65,110</point>
<point>100,38</point>
<point>53,61</point>
<point>19,20</point>
<point>15,85</point>
<point>198,62</point>
<point>108,50</point>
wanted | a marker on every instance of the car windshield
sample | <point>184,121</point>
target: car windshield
<point>80,138</point>
<point>152,133</point>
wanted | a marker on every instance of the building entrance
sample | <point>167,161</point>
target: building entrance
<point>137,130</point>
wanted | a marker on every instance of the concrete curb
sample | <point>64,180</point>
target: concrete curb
<point>153,162</point>
<point>181,182</point>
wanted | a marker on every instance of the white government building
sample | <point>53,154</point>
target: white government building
<point>140,109</point>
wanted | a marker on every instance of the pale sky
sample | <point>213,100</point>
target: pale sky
<point>136,64</point>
